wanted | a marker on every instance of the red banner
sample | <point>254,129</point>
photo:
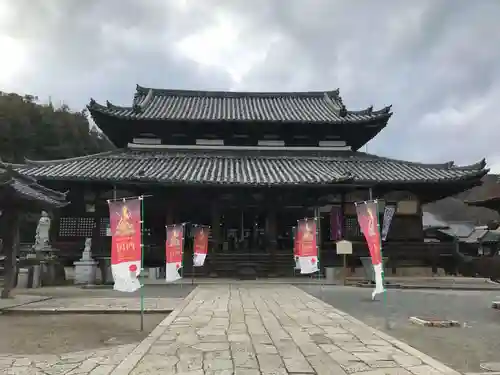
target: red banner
<point>175,243</point>
<point>368,222</point>
<point>305,238</point>
<point>125,224</point>
<point>200,243</point>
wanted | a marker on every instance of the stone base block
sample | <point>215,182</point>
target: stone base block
<point>432,322</point>
<point>85,272</point>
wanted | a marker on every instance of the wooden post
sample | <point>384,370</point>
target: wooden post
<point>271,236</point>
<point>10,223</point>
<point>215,222</point>
<point>344,271</point>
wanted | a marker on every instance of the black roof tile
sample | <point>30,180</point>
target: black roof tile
<point>219,167</point>
<point>310,107</point>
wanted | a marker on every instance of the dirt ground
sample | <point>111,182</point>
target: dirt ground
<point>56,334</point>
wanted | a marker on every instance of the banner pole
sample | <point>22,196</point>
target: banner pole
<point>182,259</point>
<point>386,306</point>
<point>192,245</point>
<point>318,250</point>
<point>293,252</point>
<point>115,199</point>
<point>141,277</point>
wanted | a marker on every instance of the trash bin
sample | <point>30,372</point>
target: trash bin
<point>154,273</point>
<point>330,275</point>
<point>22,278</point>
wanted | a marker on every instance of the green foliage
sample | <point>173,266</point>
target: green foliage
<point>42,132</point>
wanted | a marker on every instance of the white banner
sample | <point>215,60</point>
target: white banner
<point>125,276</point>
<point>389,211</point>
<point>308,265</point>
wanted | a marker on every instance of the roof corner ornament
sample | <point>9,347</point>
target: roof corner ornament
<point>108,104</point>
<point>92,101</point>
<point>369,110</point>
<point>388,108</point>
<point>343,111</point>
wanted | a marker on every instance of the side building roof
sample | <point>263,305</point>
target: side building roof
<point>199,166</point>
<point>26,188</point>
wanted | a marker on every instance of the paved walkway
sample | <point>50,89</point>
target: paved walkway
<point>271,329</point>
<point>99,362</point>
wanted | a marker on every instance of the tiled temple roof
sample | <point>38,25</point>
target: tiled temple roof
<point>288,107</point>
<point>251,168</point>
<point>26,188</point>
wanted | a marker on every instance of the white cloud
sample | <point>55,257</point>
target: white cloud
<point>12,60</point>
<point>223,44</point>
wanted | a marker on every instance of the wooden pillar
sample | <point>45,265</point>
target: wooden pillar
<point>215,231</point>
<point>271,237</point>
<point>342,210</point>
<point>10,227</point>
<point>96,232</point>
<point>170,216</point>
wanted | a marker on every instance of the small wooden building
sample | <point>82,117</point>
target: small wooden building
<point>248,164</point>
<point>19,194</point>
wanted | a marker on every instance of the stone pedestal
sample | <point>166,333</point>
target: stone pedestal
<point>85,271</point>
<point>86,267</point>
<point>37,276</point>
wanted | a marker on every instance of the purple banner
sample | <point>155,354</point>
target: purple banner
<point>336,223</point>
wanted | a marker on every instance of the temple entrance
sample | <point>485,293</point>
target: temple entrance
<point>256,242</point>
<point>243,231</point>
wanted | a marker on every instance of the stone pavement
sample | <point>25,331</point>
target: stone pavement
<point>269,329</point>
<point>96,362</point>
<point>101,304</point>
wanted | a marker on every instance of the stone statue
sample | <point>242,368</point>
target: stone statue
<point>87,251</point>
<point>42,232</point>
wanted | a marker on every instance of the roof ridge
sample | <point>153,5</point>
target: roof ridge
<point>209,154</point>
<point>447,165</point>
<point>141,90</point>
<point>76,158</point>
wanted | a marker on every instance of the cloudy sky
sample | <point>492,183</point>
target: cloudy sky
<point>436,61</point>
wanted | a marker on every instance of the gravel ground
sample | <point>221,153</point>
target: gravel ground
<point>57,334</point>
<point>63,333</point>
<point>463,348</point>
<point>150,291</point>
